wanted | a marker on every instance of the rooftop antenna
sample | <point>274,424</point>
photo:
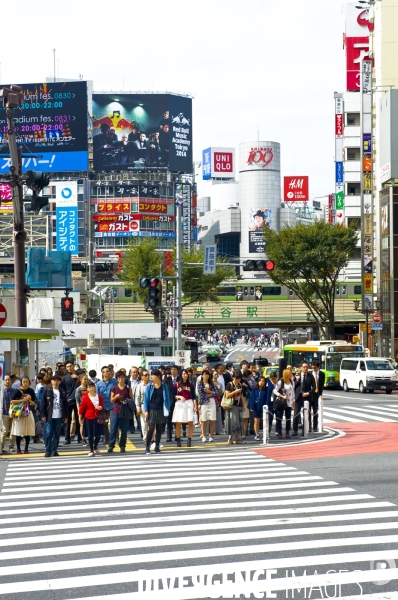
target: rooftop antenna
<point>55,77</point>
<point>258,133</point>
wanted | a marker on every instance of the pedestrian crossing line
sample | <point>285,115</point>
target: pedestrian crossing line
<point>388,409</point>
<point>129,480</point>
<point>214,507</point>
<point>347,412</point>
<point>364,412</point>
<point>96,467</point>
<point>180,540</point>
<point>189,458</point>
<point>260,500</point>
<point>204,526</point>
<point>333,415</point>
<point>374,411</point>
<point>189,487</point>
<point>184,492</point>
<point>258,515</point>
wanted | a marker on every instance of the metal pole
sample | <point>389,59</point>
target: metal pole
<point>109,321</point>
<point>320,413</point>
<point>179,276</point>
<point>19,232</point>
<point>306,424</point>
<point>172,313</point>
<point>113,321</point>
<point>100,297</point>
<point>265,424</point>
<point>91,269</point>
<point>54,63</point>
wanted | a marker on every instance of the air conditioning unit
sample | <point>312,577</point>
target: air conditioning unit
<point>91,340</point>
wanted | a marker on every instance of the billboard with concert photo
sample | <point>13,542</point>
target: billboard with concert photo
<point>137,132</point>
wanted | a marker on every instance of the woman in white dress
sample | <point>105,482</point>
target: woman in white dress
<point>23,426</point>
<point>184,394</point>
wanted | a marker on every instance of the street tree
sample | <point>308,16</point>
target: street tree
<point>142,259</point>
<point>308,260</point>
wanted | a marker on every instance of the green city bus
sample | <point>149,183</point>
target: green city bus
<point>329,353</point>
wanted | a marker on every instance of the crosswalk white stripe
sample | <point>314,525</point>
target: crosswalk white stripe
<point>141,473</point>
<point>247,523</point>
<point>176,476</point>
<point>363,412</point>
<point>188,487</point>
<point>333,415</point>
<point>193,571</point>
<point>369,411</point>
<point>190,513</point>
<point>169,458</point>
<point>211,539</point>
<point>260,501</point>
<point>383,408</point>
<point>169,495</point>
<point>182,539</point>
<point>108,578</point>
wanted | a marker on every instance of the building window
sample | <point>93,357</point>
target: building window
<point>337,290</point>
<point>358,290</point>
<point>272,291</point>
<point>353,189</point>
<point>353,154</point>
<point>353,119</point>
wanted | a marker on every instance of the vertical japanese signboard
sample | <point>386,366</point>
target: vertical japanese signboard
<point>183,192</point>
<point>357,28</point>
<point>339,215</point>
<point>210,259</point>
<point>66,217</point>
<point>366,177</point>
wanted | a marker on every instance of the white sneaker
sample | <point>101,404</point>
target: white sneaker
<point>91,454</point>
<point>160,445</point>
<point>204,439</point>
<point>97,451</point>
<point>211,439</point>
<point>153,445</point>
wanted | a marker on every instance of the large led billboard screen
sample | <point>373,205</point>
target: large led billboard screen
<point>142,131</point>
<point>51,125</point>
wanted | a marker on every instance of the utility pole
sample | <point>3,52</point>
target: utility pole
<point>179,275</point>
<point>12,98</point>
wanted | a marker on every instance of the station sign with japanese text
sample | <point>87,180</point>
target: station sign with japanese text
<point>66,217</point>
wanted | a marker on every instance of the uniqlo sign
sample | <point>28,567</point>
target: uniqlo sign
<point>218,163</point>
<point>295,189</point>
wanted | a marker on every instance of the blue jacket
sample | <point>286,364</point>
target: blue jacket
<point>148,395</point>
<point>258,398</point>
<point>105,390</point>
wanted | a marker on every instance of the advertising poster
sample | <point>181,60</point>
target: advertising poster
<point>258,219</point>
<point>66,217</point>
<point>295,189</point>
<point>5,198</point>
<point>51,124</point>
<point>142,131</point>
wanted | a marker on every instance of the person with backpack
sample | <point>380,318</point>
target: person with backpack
<point>54,411</point>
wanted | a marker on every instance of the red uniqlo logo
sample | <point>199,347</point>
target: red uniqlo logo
<point>295,188</point>
<point>223,162</point>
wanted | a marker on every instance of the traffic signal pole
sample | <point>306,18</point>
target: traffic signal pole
<point>12,99</point>
<point>179,276</point>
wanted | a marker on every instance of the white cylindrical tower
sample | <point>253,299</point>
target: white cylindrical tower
<point>259,194</point>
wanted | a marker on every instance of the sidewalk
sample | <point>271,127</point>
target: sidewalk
<point>136,445</point>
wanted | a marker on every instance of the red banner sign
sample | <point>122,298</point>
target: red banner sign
<point>296,188</point>
<point>104,218</point>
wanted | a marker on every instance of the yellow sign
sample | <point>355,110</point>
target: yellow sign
<point>368,283</point>
<point>362,327</point>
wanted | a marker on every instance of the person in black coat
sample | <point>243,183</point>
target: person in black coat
<point>319,384</point>
<point>54,410</point>
<point>304,387</point>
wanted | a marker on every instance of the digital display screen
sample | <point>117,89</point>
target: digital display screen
<point>51,122</point>
<point>140,131</point>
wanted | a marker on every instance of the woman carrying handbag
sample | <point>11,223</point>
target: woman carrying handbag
<point>22,411</point>
<point>91,416</point>
<point>184,393</point>
<point>233,416</point>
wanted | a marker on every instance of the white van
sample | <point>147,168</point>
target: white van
<point>368,374</point>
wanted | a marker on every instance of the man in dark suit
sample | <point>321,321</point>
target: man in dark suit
<point>304,387</point>
<point>319,383</point>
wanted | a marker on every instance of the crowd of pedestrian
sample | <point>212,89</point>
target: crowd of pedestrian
<point>166,401</point>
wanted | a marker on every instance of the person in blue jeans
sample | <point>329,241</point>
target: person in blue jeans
<point>120,394</point>
<point>53,412</point>
<point>104,387</point>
